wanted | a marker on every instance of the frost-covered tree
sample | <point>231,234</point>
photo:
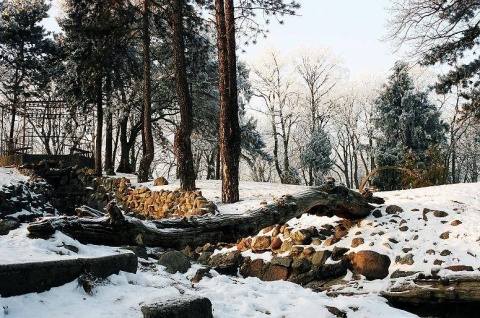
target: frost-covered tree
<point>25,53</point>
<point>317,155</point>
<point>273,83</point>
<point>445,32</point>
<point>406,121</point>
<point>319,71</point>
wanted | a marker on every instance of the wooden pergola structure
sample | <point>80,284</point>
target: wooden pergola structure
<point>47,128</point>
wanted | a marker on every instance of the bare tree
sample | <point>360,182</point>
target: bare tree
<point>319,70</point>
<point>273,84</point>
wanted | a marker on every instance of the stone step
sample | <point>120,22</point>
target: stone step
<point>24,278</point>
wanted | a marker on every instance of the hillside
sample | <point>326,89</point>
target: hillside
<point>413,235</point>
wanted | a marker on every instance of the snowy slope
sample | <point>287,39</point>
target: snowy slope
<point>122,295</point>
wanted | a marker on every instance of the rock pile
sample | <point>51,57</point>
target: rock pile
<point>75,186</point>
<point>25,201</point>
<point>299,256</point>
<point>163,203</point>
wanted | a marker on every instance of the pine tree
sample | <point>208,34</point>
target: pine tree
<point>183,144</point>
<point>406,121</point>
<point>95,32</point>
<point>445,32</point>
<point>25,51</point>
<point>317,155</point>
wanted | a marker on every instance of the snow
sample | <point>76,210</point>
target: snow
<point>122,295</point>
<point>11,176</point>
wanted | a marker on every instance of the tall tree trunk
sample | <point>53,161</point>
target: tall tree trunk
<point>109,169</point>
<point>229,124</point>
<point>182,141</point>
<point>147,136</point>
<point>99,131</point>
<point>217,164</point>
<point>124,165</point>
<point>10,142</point>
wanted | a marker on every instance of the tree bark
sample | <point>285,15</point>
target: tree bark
<point>147,136</point>
<point>109,169</point>
<point>124,165</point>
<point>229,124</point>
<point>182,140</point>
<point>180,232</point>
<point>99,130</point>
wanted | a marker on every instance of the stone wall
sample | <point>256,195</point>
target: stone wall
<point>75,186</point>
<point>25,201</point>
<point>68,160</point>
<point>163,203</point>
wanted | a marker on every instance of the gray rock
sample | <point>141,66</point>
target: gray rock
<point>330,271</point>
<point>179,307</point>
<point>393,209</point>
<point>7,225</point>
<point>405,260</point>
<point>282,261</point>
<point>227,263</point>
<point>175,261</point>
<point>301,265</point>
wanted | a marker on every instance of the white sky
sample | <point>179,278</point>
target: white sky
<point>352,28</point>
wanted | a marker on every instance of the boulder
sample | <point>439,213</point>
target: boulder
<point>370,264</point>
<point>357,242</point>
<point>252,268</point>
<point>330,271</point>
<point>320,257</point>
<point>338,252</point>
<point>275,272</point>
<point>227,263</point>
<point>175,261</point>
<point>301,237</point>
<point>179,307</point>
<point>301,265</point>
<point>282,261</point>
<point>261,243</point>
<point>160,181</point>
<point>393,209</point>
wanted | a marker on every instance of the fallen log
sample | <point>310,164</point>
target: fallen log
<point>452,290</point>
<point>328,199</point>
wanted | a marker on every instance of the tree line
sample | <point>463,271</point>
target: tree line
<point>140,66</point>
<point>170,94</point>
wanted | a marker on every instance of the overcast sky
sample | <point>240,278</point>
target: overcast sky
<point>352,28</point>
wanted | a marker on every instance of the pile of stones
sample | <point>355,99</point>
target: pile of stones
<point>76,186</point>
<point>299,256</point>
<point>25,201</point>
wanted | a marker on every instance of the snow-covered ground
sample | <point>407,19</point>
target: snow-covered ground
<point>122,295</point>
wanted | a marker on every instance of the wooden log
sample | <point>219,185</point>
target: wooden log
<point>86,211</point>
<point>452,290</point>
<point>197,231</point>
